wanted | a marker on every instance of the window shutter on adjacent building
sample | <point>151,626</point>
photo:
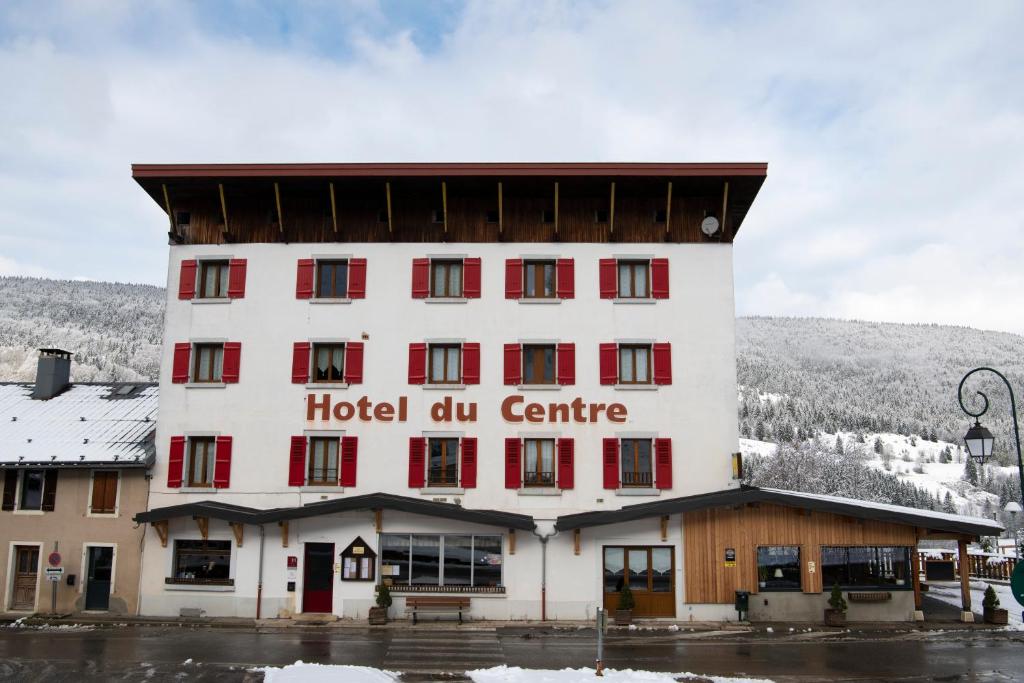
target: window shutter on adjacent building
<point>349,456</point>
<point>565,278</point>
<point>471,363</point>
<point>297,461</point>
<point>417,461</point>
<point>514,278</point>
<point>659,278</point>
<point>662,363</point>
<point>663,463</point>
<point>300,363</point>
<point>10,489</point>
<point>420,278</point>
<point>232,362</point>
<point>49,491</point>
<point>513,364</point>
<point>357,278</point>
<point>610,459</point>
<point>222,463</point>
<point>236,278</point>
<point>513,467</point>
<point>180,365</point>
<point>566,360</point>
<point>176,462</point>
<point>104,493</point>
<point>609,363</point>
<point>471,278</point>
<point>354,362</point>
<point>609,286</point>
<point>304,278</point>
<point>187,280</point>
<point>566,453</point>
<point>468,462</point>
<point>417,363</point>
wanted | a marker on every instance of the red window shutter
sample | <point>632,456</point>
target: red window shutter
<point>471,363</point>
<point>297,461</point>
<point>610,457</point>
<point>659,278</point>
<point>513,465</point>
<point>349,457</point>
<point>417,462</point>
<point>176,462</point>
<point>187,280</point>
<point>514,278</point>
<point>180,368</point>
<point>565,278</point>
<point>236,278</point>
<point>417,363</point>
<point>354,362</point>
<point>304,278</point>
<point>471,278</point>
<point>566,452</point>
<point>663,363</point>
<point>663,463</point>
<point>300,363</point>
<point>232,362</point>
<point>420,278</point>
<point>566,358</point>
<point>609,355</point>
<point>357,278</point>
<point>222,463</point>
<point>469,462</point>
<point>609,286</point>
<point>513,364</point>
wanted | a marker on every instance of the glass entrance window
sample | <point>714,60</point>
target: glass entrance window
<point>661,570</point>
<point>649,568</point>
<point>614,569</point>
<point>638,568</point>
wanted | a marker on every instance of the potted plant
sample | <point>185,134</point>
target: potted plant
<point>379,614</point>
<point>624,611</point>
<point>762,577</point>
<point>836,615</point>
<point>993,614</point>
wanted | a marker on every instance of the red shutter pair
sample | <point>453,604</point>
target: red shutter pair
<point>470,363</point>
<point>181,364</point>
<point>565,364</point>
<point>306,274</point>
<point>353,362</point>
<point>221,462</point>
<point>564,467</point>
<point>565,281</point>
<point>418,462</point>
<point>346,470</point>
<point>662,359</point>
<point>236,278</point>
<point>609,285</point>
<point>662,463</point>
<point>471,269</point>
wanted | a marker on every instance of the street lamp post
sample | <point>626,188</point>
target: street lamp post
<point>979,439</point>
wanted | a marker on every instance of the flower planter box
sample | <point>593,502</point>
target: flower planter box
<point>997,616</point>
<point>835,617</point>
<point>623,617</point>
<point>378,616</point>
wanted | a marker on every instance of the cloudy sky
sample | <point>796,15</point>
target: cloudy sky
<point>894,132</point>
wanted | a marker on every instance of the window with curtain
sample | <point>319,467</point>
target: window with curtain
<point>538,462</point>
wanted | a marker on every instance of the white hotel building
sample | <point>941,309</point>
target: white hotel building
<point>510,382</point>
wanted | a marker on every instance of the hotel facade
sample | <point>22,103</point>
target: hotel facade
<point>514,383</point>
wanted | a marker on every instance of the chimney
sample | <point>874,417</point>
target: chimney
<point>53,374</point>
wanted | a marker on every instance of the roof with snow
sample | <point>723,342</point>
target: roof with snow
<point>86,425</point>
<point>862,509</point>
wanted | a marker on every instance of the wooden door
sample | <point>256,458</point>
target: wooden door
<point>26,577</point>
<point>650,571</point>
<point>318,578</point>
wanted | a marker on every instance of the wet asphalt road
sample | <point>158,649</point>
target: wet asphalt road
<point>160,654</point>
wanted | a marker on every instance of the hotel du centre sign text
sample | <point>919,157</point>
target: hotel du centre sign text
<point>513,409</point>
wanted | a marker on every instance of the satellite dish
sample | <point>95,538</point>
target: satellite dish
<point>709,226</point>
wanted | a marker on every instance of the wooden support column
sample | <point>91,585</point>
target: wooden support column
<point>725,206</point>
<point>965,582</point>
<point>334,209</point>
<point>239,530</point>
<point>668,210</point>
<point>915,567</point>
<point>611,212</point>
<point>501,212</point>
<point>277,200</point>
<point>378,520</point>
<point>284,533</point>
<point>161,530</point>
<point>204,526</point>
<point>556,207</point>
<point>223,208</point>
<point>444,205</point>
<point>511,541</point>
<point>576,541</point>
<point>664,527</point>
<point>387,196</point>
<point>167,206</point>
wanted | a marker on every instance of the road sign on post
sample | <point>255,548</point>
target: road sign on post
<point>54,559</point>
<point>54,573</point>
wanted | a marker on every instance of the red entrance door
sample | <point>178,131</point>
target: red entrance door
<point>318,578</point>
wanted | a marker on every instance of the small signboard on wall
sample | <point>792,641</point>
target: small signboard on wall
<point>730,557</point>
<point>358,562</point>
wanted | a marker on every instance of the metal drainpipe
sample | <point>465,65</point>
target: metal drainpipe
<point>544,571</point>
<point>259,579</point>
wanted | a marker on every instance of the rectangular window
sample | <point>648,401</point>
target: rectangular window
<point>633,279</point>
<point>328,362</point>
<point>323,461</point>
<point>635,458</point>
<point>778,568</point>
<point>539,462</point>
<point>634,364</point>
<point>435,560</point>
<point>331,279</point>
<point>445,364</point>
<point>646,568</point>
<point>209,363</point>
<point>202,562</point>
<point>200,461</point>
<point>443,462</point>
<point>539,364</point>
<point>213,279</point>
<point>32,490</point>
<point>866,567</point>
<point>104,493</point>
<point>446,278</point>
<point>539,279</point>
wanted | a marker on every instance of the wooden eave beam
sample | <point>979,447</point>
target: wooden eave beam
<point>556,207</point>
<point>444,205</point>
<point>167,207</point>
<point>576,541</point>
<point>334,209</point>
<point>161,530</point>
<point>501,211</point>
<point>378,520</point>
<point>277,200</point>
<point>668,210</point>
<point>387,196</point>
<point>725,206</point>
<point>664,527</point>
<point>511,541</point>
<point>284,533</point>
<point>204,526</point>
<point>239,529</point>
<point>223,209</point>
<point>611,212</point>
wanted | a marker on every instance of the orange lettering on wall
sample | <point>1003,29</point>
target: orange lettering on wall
<point>506,408</point>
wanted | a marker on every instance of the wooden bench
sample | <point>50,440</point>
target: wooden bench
<point>870,596</point>
<point>436,605</point>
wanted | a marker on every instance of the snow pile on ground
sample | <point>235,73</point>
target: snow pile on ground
<point>949,593</point>
<point>300,672</point>
<point>514,674</point>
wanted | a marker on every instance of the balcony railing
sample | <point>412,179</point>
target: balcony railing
<point>637,479</point>
<point>539,479</point>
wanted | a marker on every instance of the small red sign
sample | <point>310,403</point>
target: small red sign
<point>293,561</point>
<point>54,559</point>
